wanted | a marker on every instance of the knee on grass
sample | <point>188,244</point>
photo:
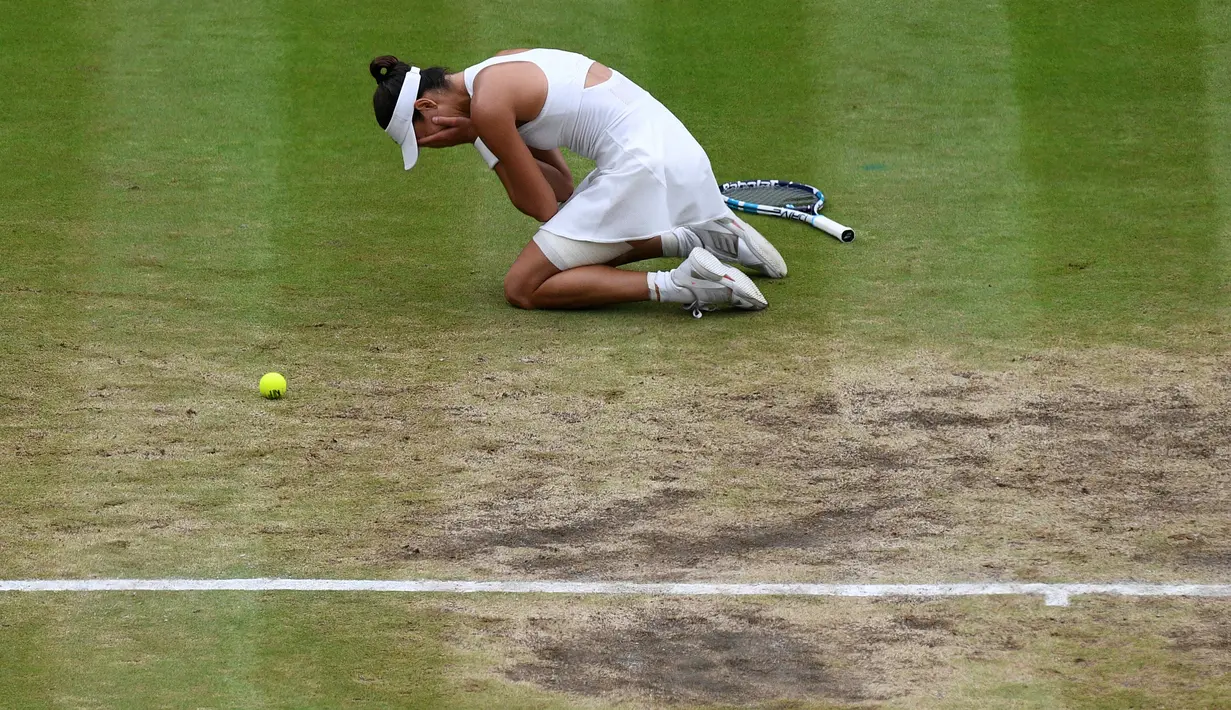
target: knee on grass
<point>518,293</point>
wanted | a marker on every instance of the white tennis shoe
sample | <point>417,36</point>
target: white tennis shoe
<point>713,284</point>
<point>735,242</point>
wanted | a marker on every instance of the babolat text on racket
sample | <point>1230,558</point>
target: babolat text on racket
<point>782,198</point>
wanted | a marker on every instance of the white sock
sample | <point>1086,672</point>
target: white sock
<point>679,242</point>
<point>662,288</point>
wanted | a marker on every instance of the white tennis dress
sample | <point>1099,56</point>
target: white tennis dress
<point>651,176</point>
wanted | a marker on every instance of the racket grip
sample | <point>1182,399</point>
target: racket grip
<point>840,232</point>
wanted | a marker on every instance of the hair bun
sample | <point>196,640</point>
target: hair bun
<point>384,67</point>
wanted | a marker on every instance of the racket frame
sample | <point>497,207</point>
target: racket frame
<point>812,217</point>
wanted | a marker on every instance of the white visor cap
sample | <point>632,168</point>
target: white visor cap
<point>400,126</point>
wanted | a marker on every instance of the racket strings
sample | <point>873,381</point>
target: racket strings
<point>775,195</point>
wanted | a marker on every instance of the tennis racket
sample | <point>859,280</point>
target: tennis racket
<point>781,198</point>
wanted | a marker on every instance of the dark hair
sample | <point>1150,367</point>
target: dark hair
<point>390,73</point>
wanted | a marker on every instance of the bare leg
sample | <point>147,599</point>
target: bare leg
<point>642,250</point>
<point>534,282</point>
<point>588,286</point>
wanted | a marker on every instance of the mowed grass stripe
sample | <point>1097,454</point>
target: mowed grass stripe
<point>51,73</point>
<point>173,463</point>
<point>381,290</point>
<point>1216,25</point>
<point>231,650</point>
<point>753,107</point>
<point>369,242</point>
<point>48,90</point>
<point>922,161</point>
<point>1116,141</point>
<point>189,153</point>
<point>171,303</point>
<point>198,223</point>
<point>177,241</point>
<point>48,87</point>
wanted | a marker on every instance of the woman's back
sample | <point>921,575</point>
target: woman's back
<point>574,116</point>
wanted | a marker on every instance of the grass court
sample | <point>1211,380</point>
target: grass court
<point>1018,372</point>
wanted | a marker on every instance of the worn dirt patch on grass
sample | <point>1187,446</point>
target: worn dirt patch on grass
<point>830,653</point>
<point>1060,467</point>
<point>675,651</point>
<point>683,658</point>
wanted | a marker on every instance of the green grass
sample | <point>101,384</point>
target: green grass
<point>197,193</point>
<point>1116,146</point>
<point>241,650</point>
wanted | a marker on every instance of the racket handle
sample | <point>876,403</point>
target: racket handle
<point>832,228</point>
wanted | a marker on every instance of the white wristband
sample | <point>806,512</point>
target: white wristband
<point>488,156</point>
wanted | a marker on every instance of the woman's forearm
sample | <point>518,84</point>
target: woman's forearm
<point>555,169</point>
<point>561,183</point>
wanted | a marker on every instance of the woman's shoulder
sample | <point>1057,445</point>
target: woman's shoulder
<point>472,72</point>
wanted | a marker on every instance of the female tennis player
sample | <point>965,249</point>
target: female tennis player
<point>652,193</point>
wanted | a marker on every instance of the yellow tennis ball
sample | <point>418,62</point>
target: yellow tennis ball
<point>273,385</point>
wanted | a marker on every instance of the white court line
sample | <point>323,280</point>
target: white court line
<point>1053,594</point>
